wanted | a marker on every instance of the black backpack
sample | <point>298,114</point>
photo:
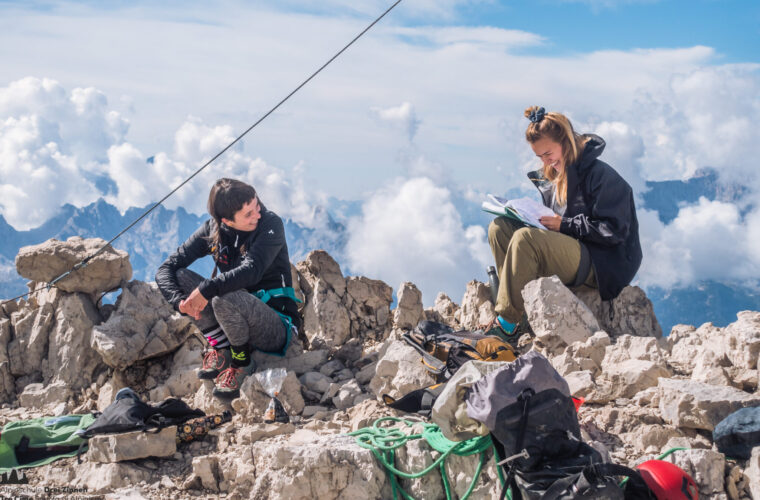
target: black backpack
<point>533,422</point>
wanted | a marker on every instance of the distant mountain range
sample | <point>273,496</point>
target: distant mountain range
<point>150,242</point>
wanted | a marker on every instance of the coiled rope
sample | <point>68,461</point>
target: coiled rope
<point>87,259</point>
<point>383,441</point>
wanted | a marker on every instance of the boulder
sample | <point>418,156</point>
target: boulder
<point>444,310</point>
<point>40,396</point>
<point>7,386</point>
<point>48,260</point>
<point>477,308</point>
<point>696,405</point>
<point>326,321</point>
<point>632,312</point>
<point>143,326</point>
<point>399,371</point>
<point>315,381</point>
<point>409,310</point>
<point>108,448</point>
<point>347,395</point>
<point>308,466</point>
<point>29,346</point>
<point>557,317</point>
<point>752,472</point>
<point>70,359</point>
<point>369,304</point>
<point>706,468</point>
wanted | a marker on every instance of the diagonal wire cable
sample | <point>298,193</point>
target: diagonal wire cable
<point>87,259</point>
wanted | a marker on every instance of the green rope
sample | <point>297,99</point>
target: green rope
<point>383,441</point>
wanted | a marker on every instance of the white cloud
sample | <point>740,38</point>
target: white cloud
<point>50,144</point>
<point>409,230</point>
<point>402,117</point>
<point>706,241</point>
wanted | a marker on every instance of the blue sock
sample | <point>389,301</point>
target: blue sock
<point>505,325</point>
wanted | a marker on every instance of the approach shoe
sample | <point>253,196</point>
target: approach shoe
<point>227,383</point>
<point>214,362</point>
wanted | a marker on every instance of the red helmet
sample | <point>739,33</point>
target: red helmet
<point>668,481</point>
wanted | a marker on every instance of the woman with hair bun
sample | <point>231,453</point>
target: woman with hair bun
<point>593,238</point>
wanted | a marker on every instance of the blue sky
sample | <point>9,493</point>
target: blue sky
<point>422,116</point>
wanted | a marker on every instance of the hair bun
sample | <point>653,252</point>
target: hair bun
<point>535,114</point>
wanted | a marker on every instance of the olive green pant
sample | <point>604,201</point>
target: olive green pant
<point>523,254</point>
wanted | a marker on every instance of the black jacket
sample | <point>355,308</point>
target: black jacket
<point>265,265</point>
<point>600,213</point>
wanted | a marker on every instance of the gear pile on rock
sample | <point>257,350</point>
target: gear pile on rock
<point>61,352</point>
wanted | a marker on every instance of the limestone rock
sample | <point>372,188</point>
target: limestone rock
<point>40,396</point>
<point>309,466</point>
<point>626,379</point>
<point>706,467</point>
<point>409,310</point>
<point>315,381</point>
<point>369,305</point>
<point>70,358</point>
<point>399,371</point>
<point>632,312</point>
<point>477,308</point>
<point>29,346</point>
<point>332,367</point>
<point>207,469</point>
<point>346,395</point>
<point>557,317</point>
<point>143,326</point>
<point>444,310</point>
<point>7,386</point>
<point>107,448</point>
<point>326,320</point>
<point>107,477</point>
<point>48,260</point>
<point>690,404</point>
<point>183,379</point>
<point>753,472</point>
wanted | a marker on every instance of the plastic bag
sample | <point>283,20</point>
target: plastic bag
<point>271,381</point>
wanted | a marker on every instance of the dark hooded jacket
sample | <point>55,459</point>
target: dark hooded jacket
<point>601,214</point>
<point>250,260</point>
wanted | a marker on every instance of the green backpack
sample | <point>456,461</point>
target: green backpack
<point>39,441</point>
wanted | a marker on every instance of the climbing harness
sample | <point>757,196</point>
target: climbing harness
<point>87,259</point>
<point>383,441</point>
<point>286,291</point>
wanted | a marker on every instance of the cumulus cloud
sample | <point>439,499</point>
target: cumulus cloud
<point>402,117</point>
<point>58,147</point>
<point>709,240</point>
<point>51,143</point>
<point>409,230</point>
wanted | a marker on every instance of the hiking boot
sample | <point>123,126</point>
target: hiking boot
<point>214,362</point>
<point>229,381</point>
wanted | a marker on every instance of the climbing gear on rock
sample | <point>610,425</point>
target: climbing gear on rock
<point>383,441</point>
<point>444,351</point>
<point>214,362</point>
<point>668,481</point>
<point>197,428</point>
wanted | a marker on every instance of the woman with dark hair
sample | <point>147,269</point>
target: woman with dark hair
<point>593,238</point>
<point>248,303</point>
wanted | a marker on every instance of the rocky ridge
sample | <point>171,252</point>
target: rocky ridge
<point>63,352</point>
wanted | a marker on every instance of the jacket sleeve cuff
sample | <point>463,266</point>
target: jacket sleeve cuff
<point>207,289</point>
<point>565,226</point>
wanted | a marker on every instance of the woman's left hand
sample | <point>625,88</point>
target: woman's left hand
<point>551,222</point>
<point>193,304</point>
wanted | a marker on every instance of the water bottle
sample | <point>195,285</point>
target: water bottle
<point>493,282</point>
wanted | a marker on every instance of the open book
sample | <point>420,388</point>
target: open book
<point>525,210</point>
